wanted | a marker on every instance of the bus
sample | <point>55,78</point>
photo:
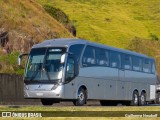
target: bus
<point>68,69</point>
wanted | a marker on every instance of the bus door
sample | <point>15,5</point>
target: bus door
<point>70,77</point>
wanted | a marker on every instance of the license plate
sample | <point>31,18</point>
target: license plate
<point>39,94</point>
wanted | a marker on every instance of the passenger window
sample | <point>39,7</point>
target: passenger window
<point>137,64</point>
<point>146,66</point>
<point>89,57</point>
<point>76,50</point>
<point>114,60</point>
<point>101,57</point>
<point>70,70</point>
<point>126,62</point>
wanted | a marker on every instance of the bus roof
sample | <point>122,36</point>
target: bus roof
<point>66,42</point>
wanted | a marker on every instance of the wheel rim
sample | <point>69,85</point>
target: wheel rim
<point>142,99</point>
<point>81,96</point>
<point>135,99</point>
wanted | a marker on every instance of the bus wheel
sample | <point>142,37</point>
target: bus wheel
<point>46,102</point>
<point>82,98</point>
<point>135,99</point>
<point>158,98</point>
<point>142,99</point>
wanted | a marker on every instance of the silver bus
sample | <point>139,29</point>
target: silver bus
<point>78,70</point>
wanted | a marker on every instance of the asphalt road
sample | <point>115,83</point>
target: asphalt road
<point>89,103</point>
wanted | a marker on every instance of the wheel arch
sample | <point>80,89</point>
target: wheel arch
<point>135,90</point>
<point>143,91</point>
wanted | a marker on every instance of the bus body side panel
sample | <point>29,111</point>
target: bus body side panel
<point>140,81</point>
<point>104,83</point>
<point>101,82</point>
<point>70,90</point>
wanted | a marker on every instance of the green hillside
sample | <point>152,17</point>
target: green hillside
<point>113,22</point>
<point>127,24</point>
<point>27,23</point>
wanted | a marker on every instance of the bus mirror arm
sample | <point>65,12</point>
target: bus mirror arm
<point>20,58</point>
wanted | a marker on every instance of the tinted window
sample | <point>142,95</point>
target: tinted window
<point>89,56</point>
<point>102,57</point>
<point>126,62</point>
<point>76,50</point>
<point>137,63</point>
<point>70,69</point>
<point>153,67</point>
<point>146,66</point>
<point>114,59</point>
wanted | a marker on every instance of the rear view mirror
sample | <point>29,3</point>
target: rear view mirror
<point>20,58</point>
<point>63,58</point>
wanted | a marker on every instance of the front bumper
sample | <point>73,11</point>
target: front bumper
<point>57,93</point>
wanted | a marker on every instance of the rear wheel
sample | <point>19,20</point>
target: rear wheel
<point>81,98</point>
<point>142,99</point>
<point>135,99</point>
<point>47,102</point>
<point>158,98</point>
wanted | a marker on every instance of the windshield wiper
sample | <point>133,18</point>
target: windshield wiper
<point>35,73</point>
<point>44,69</point>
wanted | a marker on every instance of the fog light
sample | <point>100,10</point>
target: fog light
<point>57,94</point>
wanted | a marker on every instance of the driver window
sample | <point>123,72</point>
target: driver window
<point>70,69</point>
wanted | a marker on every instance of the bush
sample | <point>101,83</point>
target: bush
<point>61,17</point>
<point>154,37</point>
<point>56,13</point>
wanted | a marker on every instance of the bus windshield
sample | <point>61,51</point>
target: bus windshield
<point>44,64</point>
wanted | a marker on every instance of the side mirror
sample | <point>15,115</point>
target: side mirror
<point>63,58</point>
<point>20,58</point>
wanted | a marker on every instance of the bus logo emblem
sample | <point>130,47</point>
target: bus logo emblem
<point>39,86</point>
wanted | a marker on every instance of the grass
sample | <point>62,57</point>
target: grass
<point>85,108</point>
<point>26,17</point>
<point>115,23</point>
<point>111,22</point>
<point>25,20</point>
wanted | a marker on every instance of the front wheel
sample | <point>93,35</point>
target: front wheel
<point>81,98</point>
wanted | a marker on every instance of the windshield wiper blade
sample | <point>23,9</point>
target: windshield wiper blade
<point>44,69</point>
<point>35,73</point>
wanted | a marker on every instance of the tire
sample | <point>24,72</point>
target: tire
<point>135,99</point>
<point>158,98</point>
<point>46,102</point>
<point>81,98</point>
<point>142,99</point>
